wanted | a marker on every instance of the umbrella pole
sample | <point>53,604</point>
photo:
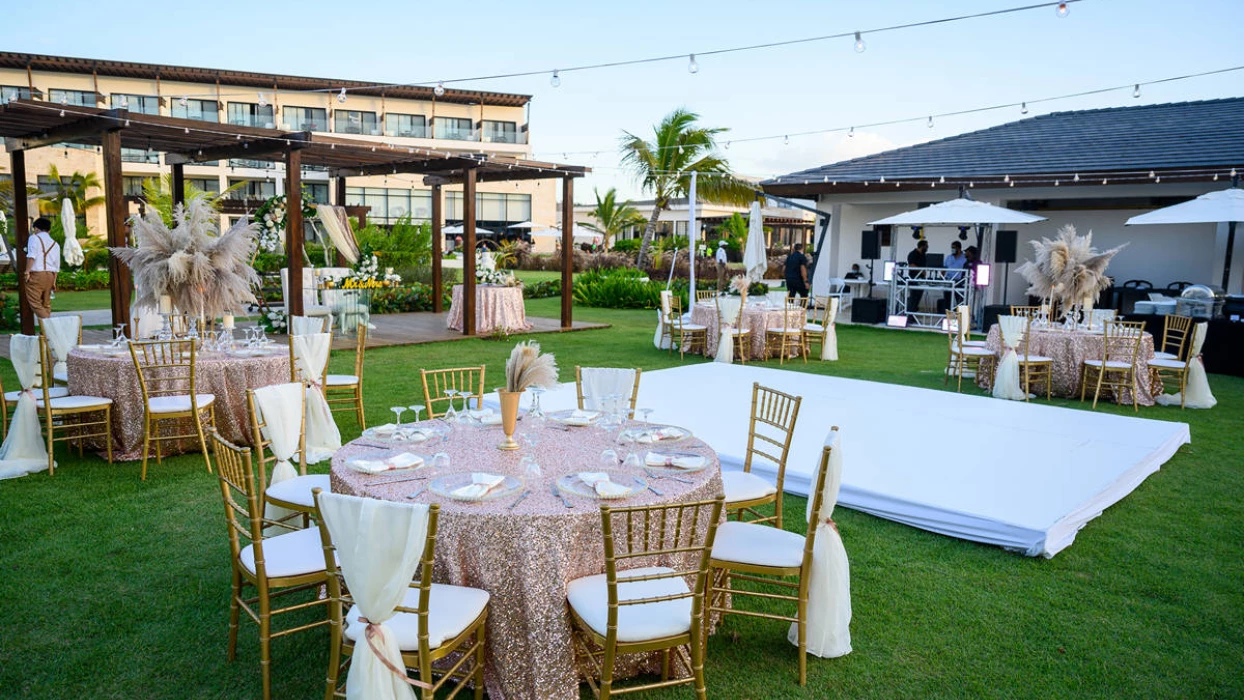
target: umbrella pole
<point>1226,265</point>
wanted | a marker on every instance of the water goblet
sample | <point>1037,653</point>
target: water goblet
<point>118,338</point>
<point>397,412</point>
<point>531,468</point>
<point>633,461</point>
<point>418,409</point>
<point>534,412</point>
<point>608,459</point>
<point>451,414</point>
<point>440,464</point>
<point>530,439</point>
<point>645,412</point>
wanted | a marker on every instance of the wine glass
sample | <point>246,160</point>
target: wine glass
<point>531,468</point>
<point>608,459</point>
<point>451,414</point>
<point>466,401</point>
<point>534,413</point>
<point>645,412</point>
<point>418,409</point>
<point>398,411</point>
<point>118,338</point>
<point>633,461</point>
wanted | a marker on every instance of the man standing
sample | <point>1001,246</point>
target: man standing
<point>42,264</point>
<point>955,261</point>
<point>721,264</point>
<point>915,259</point>
<point>797,273</point>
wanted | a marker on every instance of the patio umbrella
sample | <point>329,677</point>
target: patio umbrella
<point>457,229</point>
<point>524,224</point>
<point>71,251</point>
<point>1223,206</point>
<point>959,212</point>
<point>754,251</point>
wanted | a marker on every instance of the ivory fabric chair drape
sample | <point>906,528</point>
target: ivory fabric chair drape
<point>829,585</point>
<point>728,312</point>
<point>379,545</point>
<point>280,408</point>
<point>306,325</point>
<point>1197,385</point>
<point>1006,383</point>
<point>829,348</point>
<point>661,338</point>
<point>311,358</point>
<point>62,334</point>
<point>24,451</point>
<point>599,382</point>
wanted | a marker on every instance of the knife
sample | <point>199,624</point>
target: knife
<point>520,499</point>
<point>641,482</point>
<point>562,496</point>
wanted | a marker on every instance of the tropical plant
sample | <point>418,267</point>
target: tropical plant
<point>664,166</point>
<point>76,188</point>
<point>612,218</point>
<point>734,229</point>
<point>404,244</point>
<point>158,193</point>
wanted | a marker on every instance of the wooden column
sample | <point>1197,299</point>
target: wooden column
<point>179,184</point>
<point>293,229</point>
<point>115,214</point>
<point>21,219</point>
<point>468,252</point>
<point>438,246</point>
<point>339,198</point>
<point>567,250</point>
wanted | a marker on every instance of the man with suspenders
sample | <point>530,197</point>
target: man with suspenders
<point>42,264</point>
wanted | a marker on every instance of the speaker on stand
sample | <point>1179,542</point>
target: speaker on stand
<point>1004,252</point>
<point>870,249</point>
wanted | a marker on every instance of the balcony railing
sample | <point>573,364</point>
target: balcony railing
<point>138,155</point>
<point>457,134</point>
<point>305,126</point>
<point>248,163</point>
<point>414,132</point>
<point>505,137</point>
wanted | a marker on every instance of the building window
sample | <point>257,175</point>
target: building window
<point>517,207</point>
<point>139,155</point>
<point>76,98</point>
<point>198,110</point>
<point>132,185</point>
<point>317,191</point>
<point>453,128</point>
<point>253,189</point>
<point>13,92</point>
<point>491,207</point>
<point>389,205</point>
<point>408,125</point>
<point>305,118</point>
<point>47,185</point>
<point>500,132</point>
<point>138,104</point>
<point>205,184</point>
<point>248,114</point>
<point>346,121</point>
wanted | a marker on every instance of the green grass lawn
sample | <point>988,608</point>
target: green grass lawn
<point>82,301</point>
<point>119,588</point>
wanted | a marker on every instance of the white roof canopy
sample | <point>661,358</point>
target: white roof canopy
<point>959,212</point>
<point>1213,208</point>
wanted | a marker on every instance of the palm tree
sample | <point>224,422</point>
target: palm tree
<point>159,195</point>
<point>664,166</point>
<point>75,189</point>
<point>611,217</point>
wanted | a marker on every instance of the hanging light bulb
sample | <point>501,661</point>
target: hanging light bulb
<point>1023,107</point>
<point>183,101</point>
<point>439,90</point>
<point>692,66</point>
<point>859,43</point>
<point>64,101</point>
<point>1232,172</point>
<point>786,140</point>
<point>930,122</point>
<point>1136,90</point>
<point>1006,178</point>
<point>1062,10</point>
<point>1105,180</point>
<point>262,102</point>
<point>851,132</point>
<point>341,96</point>
<point>1215,177</point>
<point>1077,177</point>
<point>1056,183</point>
<point>187,130</point>
<point>1152,174</point>
<point>1012,184</point>
<point>942,179</point>
<point>1158,179</point>
<point>62,112</point>
<point>125,102</point>
<point>971,184</point>
<point>556,80</point>
<point>727,145</point>
<point>883,178</point>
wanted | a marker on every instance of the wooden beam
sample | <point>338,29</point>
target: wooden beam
<point>115,214</point>
<point>438,249</point>
<point>21,216</point>
<point>70,131</point>
<point>567,250</point>
<point>293,229</point>
<point>339,197</point>
<point>179,184</point>
<point>255,149</point>
<point>468,253</point>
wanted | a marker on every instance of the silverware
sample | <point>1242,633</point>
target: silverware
<point>357,443</point>
<point>398,481</point>
<point>641,482</point>
<point>668,476</point>
<point>562,496</point>
<point>416,493</point>
<point>520,499</point>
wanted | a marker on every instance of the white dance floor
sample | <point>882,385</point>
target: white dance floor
<point>1022,476</point>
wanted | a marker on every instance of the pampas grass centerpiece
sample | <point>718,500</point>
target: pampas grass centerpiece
<point>1068,270</point>
<point>527,368</point>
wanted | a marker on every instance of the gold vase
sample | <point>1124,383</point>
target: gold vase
<point>509,418</point>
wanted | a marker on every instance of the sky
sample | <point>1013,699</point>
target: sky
<point>770,92</point>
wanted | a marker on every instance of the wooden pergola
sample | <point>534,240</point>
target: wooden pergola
<point>28,124</point>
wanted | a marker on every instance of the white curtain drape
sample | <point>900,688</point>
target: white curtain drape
<point>600,382</point>
<point>829,348</point>
<point>280,408</point>
<point>667,306</point>
<point>1197,386</point>
<point>306,325</point>
<point>62,335</point>
<point>379,545</point>
<point>728,317</point>
<point>1006,381</point>
<point>24,451</point>
<point>72,250</point>
<point>311,358</point>
<point>829,585</point>
<point>337,225</point>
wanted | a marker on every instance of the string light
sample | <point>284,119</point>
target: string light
<point>1006,178</point>
<point>692,66</point>
<point>1232,172</point>
<point>1158,179</point>
<point>883,179</point>
<point>1062,10</point>
<point>556,80</point>
<point>851,132</point>
<point>1056,183</point>
<point>785,142</point>
<point>341,96</point>
<point>439,90</point>
<point>930,124</point>
<point>262,102</point>
<point>62,112</point>
<point>942,179</point>
<point>125,102</point>
<point>185,100</point>
<point>1077,178</point>
<point>1215,177</point>
<point>1136,90</point>
<point>1105,180</point>
<point>1152,174</point>
<point>1023,107</point>
<point>859,43</point>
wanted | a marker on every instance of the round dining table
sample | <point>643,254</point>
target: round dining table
<point>757,317</point>
<point>497,307</point>
<point>524,549</point>
<point>1069,349</point>
<point>109,372</point>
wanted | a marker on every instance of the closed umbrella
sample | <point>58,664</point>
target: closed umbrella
<point>72,250</point>
<point>754,258</point>
<point>1224,206</point>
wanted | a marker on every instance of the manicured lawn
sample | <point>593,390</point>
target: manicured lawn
<point>119,588</point>
<point>82,301</point>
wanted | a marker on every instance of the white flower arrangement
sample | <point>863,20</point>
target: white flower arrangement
<point>367,270</point>
<point>503,278</point>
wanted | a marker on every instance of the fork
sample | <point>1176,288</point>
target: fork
<point>417,492</point>
<point>562,496</point>
<point>668,476</point>
<point>519,499</point>
<point>641,482</point>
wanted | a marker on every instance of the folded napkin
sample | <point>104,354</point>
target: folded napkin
<point>481,484</point>
<point>404,460</point>
<point>490,418</point>
<point>481,414</point>
<point>656,459</point>
<point>385,430</point>
<point>648,437</point>
<point>599,481</point>
<point>578,417</point>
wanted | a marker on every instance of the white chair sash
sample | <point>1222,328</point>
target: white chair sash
<point>964,315</point>
<point>1006,380</point>
<point>829,583</point>
<point>1197,385</point>
<point>379,545</point>
<point>728,316</point>
<point>24,451</point>
<point>311,359</point>
<point>660,340</point>
<point>600,382</point>
<point>305,325</point>
<point>280,407</point>
<point>829,346</point>
<point>62,334</point>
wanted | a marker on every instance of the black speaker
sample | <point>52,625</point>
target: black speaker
<point>868,311</point>
<point>870,245</point>
<point>1006,242</point>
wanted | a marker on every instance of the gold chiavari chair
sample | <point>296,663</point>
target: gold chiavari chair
<point>1165,369</point>
<point>61,377</point>
<point>1116,370</point>
<point>771,427</point>
<point>1033,369</point>
<point>166,376</point>
<point>636,610</point>
<point>292,494</point>
<point>964,314</point>
<point>768,556</point>
<point>705,295</point>
<point>11,397</point>
<point>460,613</point>
<point>789,337</point>
<point>76,417</point>
<point>275,566</point>
<point>740,336</point>
<point>1025,311</point>
<point>578,383</point>
<point>344,392</point>
<point>1176,331</point>
<point>437,381</point>
<point>960,358</point>
<point>690,337</point>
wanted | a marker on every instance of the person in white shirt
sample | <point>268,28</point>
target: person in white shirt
<point>42,264</point>
<point>721,265</point>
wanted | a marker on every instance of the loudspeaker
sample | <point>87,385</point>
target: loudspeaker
<point>1006,242</point>
<point>868,311</point>
<point>870,245</point>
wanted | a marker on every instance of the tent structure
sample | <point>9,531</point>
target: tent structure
<point>1224,206</point>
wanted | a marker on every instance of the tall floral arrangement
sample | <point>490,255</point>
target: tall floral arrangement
<point>272,218</point>
<point>1068,269</point>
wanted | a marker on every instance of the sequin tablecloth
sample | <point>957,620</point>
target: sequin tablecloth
<point>496,307</point>
<point>1069,350</point>
<point>112,375</point>
<point>525,557</point>
<point>756,318</point>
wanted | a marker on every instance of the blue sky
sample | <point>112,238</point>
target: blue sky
<point>909,73</point>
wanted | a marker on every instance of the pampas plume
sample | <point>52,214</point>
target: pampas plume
<point>527,368</point>
<point>1067,269</point>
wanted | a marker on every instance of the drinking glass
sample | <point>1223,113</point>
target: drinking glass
<point>418,409</point>
<point>531,468</point>
<point>451,414</point>
<point>440,464</point>
<point>534,413</point>
<point>633,461</point>
<point>645,412</point>
<point>444,428</point>
<point>608,459</point>
<point>119,337</point>
<point>398,411</point>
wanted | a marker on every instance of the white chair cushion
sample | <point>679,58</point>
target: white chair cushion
<point>974,351</point>
<point>814,328</point>
<point>341,380</point>
<point>747,543</point>
<point>589,597</point>
<point>693,327</point>
<point>787,331</point>
<point>291,554</point>
<point>1165,356</point>
<point>60,375</point>
<point>77,402</point>
<point>1112,364</point>
<point>177,404</point>
<point>974,343</point>
<point>745,486</point>
<point>55,392</point>
<point>1034,358</point>
<point>1167,363</point>
<point>451,609</point>
<point>298,489</point>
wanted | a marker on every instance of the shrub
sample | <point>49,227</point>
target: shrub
<point>543,289</point>
<point>411,297</point>
<point>9,310</point>
<point>620,288</point>
<point>404,244</point>
<point>628,245</point>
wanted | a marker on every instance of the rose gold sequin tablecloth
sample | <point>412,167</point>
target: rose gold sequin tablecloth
<point>756,318</point>
<point>98,373</point>
<point>525,557</point>
<point>496,307</point>
<point>1069,350</point>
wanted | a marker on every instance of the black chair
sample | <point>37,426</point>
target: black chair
<point>1178,287</point>
<point>1138,284</point>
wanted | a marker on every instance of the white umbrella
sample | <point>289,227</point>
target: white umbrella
<point>72,250</point>
<point>524,224</point>
<point>1213,208</point>
<point>754,258</point>
<point>959,212</point>
<point>578,232</point>
<point>457,228</point>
